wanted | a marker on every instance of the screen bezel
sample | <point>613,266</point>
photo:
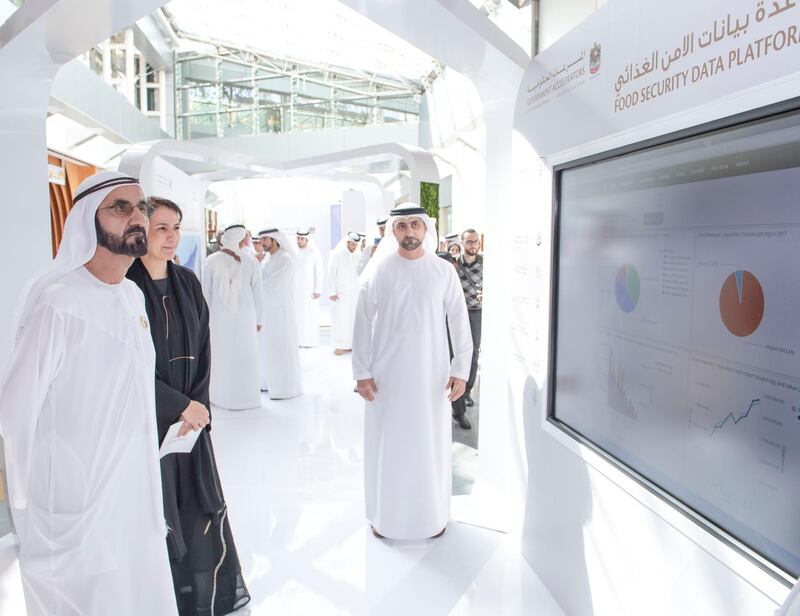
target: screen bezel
<point>753,117</point>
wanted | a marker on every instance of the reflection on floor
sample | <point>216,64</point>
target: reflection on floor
<point>465,449</point>
<point>292,473</point>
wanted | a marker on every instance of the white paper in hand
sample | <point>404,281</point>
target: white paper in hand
<point>172,443</point>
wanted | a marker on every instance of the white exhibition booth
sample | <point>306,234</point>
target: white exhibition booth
<point>631,72</point>
<point>634,70</point>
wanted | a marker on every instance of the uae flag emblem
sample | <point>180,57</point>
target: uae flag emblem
<point>594,59</point>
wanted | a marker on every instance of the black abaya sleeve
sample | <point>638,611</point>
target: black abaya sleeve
<point>199,390</point>
<point>170,403</point>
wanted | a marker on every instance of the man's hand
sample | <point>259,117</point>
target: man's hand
<point>367,389</point>
<point>258,328</point>
<point>457,387</point>
<point>315,296</point>
<point>334,298</point>
<point>195,417</point>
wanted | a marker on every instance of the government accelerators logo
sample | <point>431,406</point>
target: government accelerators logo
<point>594,59</point>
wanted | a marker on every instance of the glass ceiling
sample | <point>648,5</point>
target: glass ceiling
<point>515,20</point>
<point>306,31</point>
<point>69,138</point>
<point>7,9</point>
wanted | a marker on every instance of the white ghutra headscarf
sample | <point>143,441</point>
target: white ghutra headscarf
<point>389,246</point>
<point>78,243</point>
<point>228,281</point>
<point>306,233</point>
<point>341,247</point>
<point>288,247</point>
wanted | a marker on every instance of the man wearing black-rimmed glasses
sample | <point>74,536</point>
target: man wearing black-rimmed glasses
<point>78,418</point>
<point>469,266</point>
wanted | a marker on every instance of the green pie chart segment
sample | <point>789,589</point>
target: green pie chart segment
<point>626,288</point>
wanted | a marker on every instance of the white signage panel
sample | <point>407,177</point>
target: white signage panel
<point>605,77</point>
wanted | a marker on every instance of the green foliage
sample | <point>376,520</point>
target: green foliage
<point>429,198</point>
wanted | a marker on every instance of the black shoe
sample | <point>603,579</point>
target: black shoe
<point>463,422</point>
<point>376,533</point>
<point>468,400</point>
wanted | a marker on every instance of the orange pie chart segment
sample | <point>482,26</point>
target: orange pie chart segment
<point>741,303</point>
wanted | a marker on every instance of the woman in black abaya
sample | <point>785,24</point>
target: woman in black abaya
<point>205,566</point>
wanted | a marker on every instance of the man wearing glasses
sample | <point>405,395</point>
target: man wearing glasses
<point>77,413</point>
<point>469,266</point>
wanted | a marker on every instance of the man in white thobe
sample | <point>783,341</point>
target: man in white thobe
<point>344,292</point>
<point>308,287</point>
<point>403,370</point>
<point>232,286</point>
<point>281,374</point>
<point>247,245</point>
<point>366,255</point>
<point>77,413</point>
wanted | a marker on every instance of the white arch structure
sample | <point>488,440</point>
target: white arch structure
<point>226,164</point>
<point>43,35</point>
<point>35,42</point>
<point>219,164</point>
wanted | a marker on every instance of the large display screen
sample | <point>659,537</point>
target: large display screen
<point>677,323</point>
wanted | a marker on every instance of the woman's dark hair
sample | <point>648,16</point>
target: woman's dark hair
<point>156,202</point>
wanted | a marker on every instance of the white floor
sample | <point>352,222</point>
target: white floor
<point>292,473</point>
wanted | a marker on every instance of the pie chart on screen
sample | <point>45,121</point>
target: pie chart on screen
<point>741,303</point>
<point>626,288</point>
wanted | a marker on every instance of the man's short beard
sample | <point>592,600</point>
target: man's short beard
<point>410,243</point>
<point>126,245</point>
